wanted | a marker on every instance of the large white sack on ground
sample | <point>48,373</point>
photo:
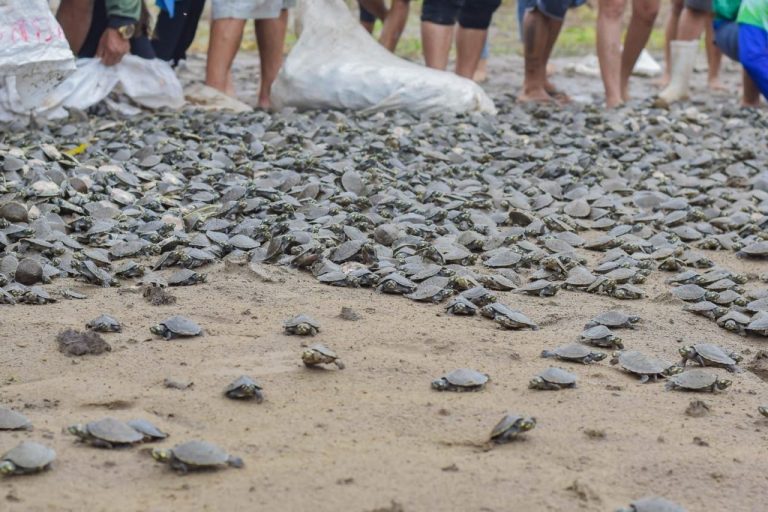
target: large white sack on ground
<point>150,83</point>
<point>337,64</point>
<point>34,54</point>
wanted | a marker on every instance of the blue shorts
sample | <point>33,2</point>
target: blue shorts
<point>555,9</point>
<point>727,38</point>
<point>472,14</point>
<point>753,55</point>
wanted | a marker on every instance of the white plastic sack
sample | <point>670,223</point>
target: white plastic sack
<point>646,65</point>
<point>34,54</point>
<point>337,64</point>
<point>150,83</point>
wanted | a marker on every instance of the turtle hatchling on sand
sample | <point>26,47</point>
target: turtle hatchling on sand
<point>614,320</point>
<point>320,354</point>
<point>508,318</point>
<point>301,325</point>
<point>652,504</point>
<point>147,429</point>
<point>104,323</point>
<point>196,455</point>
<point>510,426</point>
<point>106,433</point>
<point>646,367</point>
<point>176,327</point>
<point>462,379</point>
<point>707,354</point>
<point>244,388</point>
<point>461,306</point>
<point>601,336</point>
<point>553,379</point>
<point>763,409</point>
<point>12,420</point>
<point>27,457</point>
<point>575,353</point>
<point>697,380</point>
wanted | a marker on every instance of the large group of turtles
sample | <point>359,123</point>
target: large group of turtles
<point>464,211</point>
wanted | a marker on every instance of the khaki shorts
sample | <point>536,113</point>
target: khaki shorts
<point>249,9</point>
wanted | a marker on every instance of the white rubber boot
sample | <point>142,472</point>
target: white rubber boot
<point>683,57</point>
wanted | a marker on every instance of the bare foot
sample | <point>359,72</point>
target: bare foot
<point>264,103</point>
<point>662,81</point>
<point>613,102</point>
<point>714,84</point>
<point>481,73</point>
<point>556,94</point>
<point>535,95</point>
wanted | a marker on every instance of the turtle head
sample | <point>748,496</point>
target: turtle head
<point>158,329</point>
<point>616,342</point>
<point>615,357</point>
<point>687,352</point>
<point>674,370</point>
<point>723,383</point>
<point>303,329</point>
<point>161,455</point>
<point>527,424</point>
<point>597,356</point>
<point>7,467</point>
<point>78,430</point>
<point>536,383</point>
<point>440,384</point>
<point>763,410</point>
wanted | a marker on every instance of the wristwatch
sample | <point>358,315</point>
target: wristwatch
<point>127,31</point>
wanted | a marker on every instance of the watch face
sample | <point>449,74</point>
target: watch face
<point>127,31</point>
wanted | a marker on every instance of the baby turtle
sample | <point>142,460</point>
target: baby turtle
<point>176,327</point>
<point>301,325</point>
<point>461,306</point>
<point>106,433</point>
<point>196,455</point>
<point>601,336</point>
<point>244,388</point>
<point>652,504</point>
<point>146,428</point>
<point>575,353</point>
<point>614,319</point>
<point>462,379</point>
<point>707,354</point>
<point>763,409</point>
<point>553,379</point>
<point>27,457</point>
<point>734,321</point>
<point>510,426</point>
<point>104,323</point>
<point>508,318</point>
<point>645,367</point>
<point>540,288</point>
<point>12,420</point>
<point>320,354</point>
<point>706,309</point>
<point>697,380</point>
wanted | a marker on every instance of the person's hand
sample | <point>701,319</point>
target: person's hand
<point>112,47</point>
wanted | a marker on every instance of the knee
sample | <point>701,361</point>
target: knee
<point>647,11</point>
<point>612,9</point>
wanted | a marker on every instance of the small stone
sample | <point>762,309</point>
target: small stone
<point>697,409</point>
<point>76,343</point>
<point>349,314</point>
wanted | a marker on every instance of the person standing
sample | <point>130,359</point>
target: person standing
<point>173,35</point>
<point>438,18</point>
<point>393,19</point>
<point>753,42</point>
<point>616,65</point>
<point>227,24</point>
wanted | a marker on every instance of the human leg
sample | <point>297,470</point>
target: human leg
<point>670,34</point>
<point>394,24</point>
<point>270,36</point>
<point>74,16</point>
<point>609,48</point>
<point>644,13</point>
<point>474,20</point>
<point>224,41</point>
<point>437,20</point>
<point>714,58</point>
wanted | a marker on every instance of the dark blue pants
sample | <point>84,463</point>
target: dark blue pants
<point>173,36</point>
<point>471,14</point>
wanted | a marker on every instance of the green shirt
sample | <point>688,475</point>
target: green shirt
<point>754,12</point>
<point>126,8</point>
<point>726,10</point>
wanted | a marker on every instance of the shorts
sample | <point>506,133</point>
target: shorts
<point>365,15</point>
<point>472,14</point>
<point>699,5</point>
<point>727,38</point>
<point>249,9</point>
<point>554,9</point>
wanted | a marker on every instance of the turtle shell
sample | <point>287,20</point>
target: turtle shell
<point>580,276</point>
<point>464,377</point>
<point>12,420</point>
<point>30,456</point>
<point>104,323</point>
<point>597,332</point>
<point>655,504</point>
<point>322,349</point>
<point>613,319</point>
<point>637,362</point>
<point>713,353</point>
<point>114,431</point>
<point>509,423</point>
<point>182,326</point>
<point>572,351</point>
<point>302,319</point>
<point>689,292</point>
<point>242,381</point>
<point>558,376</point>
<point>148,429</point>
<point>694,379</point>
<point>200,453</point>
